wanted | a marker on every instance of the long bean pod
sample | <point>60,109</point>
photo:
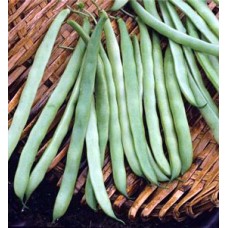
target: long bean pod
<point>35,75</point>
<point>115,132</point>
<point>102,113</point>
<point>115,129</point>
<point>196,19</point>
<point>179,61</point>
<point>94,158</point>
<point>178,112</point>
<point>102,107</point>
<point>203,59</point>
<point>139,68</point>
<point>117,72</point>
<point>46,117</point>
<point>82,114</point>
<point>162,98</point>
<point>131,86</point>
<point>190,58</point>
<point>41,167</point>
<point>150,99</point>
<point>173,34</point>
<point>204,11</point>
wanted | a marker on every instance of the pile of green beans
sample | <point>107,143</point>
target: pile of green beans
<point>127,94</point>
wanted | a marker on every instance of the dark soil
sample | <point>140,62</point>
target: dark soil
<point>39,213</point>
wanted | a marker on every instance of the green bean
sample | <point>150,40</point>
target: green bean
<point>162,99</point>
<point>173,34</point>
<point>208,114</point>
<point>35,75</point>
<point>115,134</point>
<point>150,99</point>
<point>139,68</point>
<point>190,58</point>
<point>94,158</point>
<point>118,4</point>
<point>82,114</point>
<point>102,111</point>
<point>41,167</point>
<point>102,107</point>
<point>115,128</point>
<point>178,113</point>
<point>203,59</point>
<point>196,19</point>
<point>203,10</point>
<point>46,117</point>
<point>131,86</point>
<point>179,61</point>
<point>117,73</point>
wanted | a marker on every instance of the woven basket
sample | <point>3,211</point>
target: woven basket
<point>191,195</point>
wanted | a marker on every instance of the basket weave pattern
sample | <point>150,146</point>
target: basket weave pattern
<point>195,192</point>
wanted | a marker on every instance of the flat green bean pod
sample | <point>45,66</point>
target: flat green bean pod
<point>31,86</point>
<point>131,85</point>
<point>82,115</point>
<point>196,19</point>
<point>208,114</point>
<point>41,167</point>
<point>203,59</point>
<point>149,99</point>
<point>46,117</point>
<point>162,99</point>
<point>102,113</point>
<point>173,34</point>
<point>205,12</point>
<point>178,112</point>
<point>94,158</point>
<point>179,61</point>
<point>191,61</point>
<point>117,73</point>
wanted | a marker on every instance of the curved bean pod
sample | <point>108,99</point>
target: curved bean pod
<point>35,75</point>
<point>196,19</point>
<point>46,117</point>
<point>94,158</point>
<point>203,59</point>
<point>102,112</point>
<point>117,72</point>
<point>162,99</point>
<point>173,34</point>
<point>82,114</point>
<point>131,86</point>
<point>178,112</point>
<point>116,147</point>
<point>203,10</point>
<point>150,99</point>
<point>208,114</point>
<point>41,167</point>
<point>190,58</point>
<point>179,61</point>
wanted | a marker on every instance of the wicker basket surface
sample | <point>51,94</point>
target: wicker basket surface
<point>195,192</point>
